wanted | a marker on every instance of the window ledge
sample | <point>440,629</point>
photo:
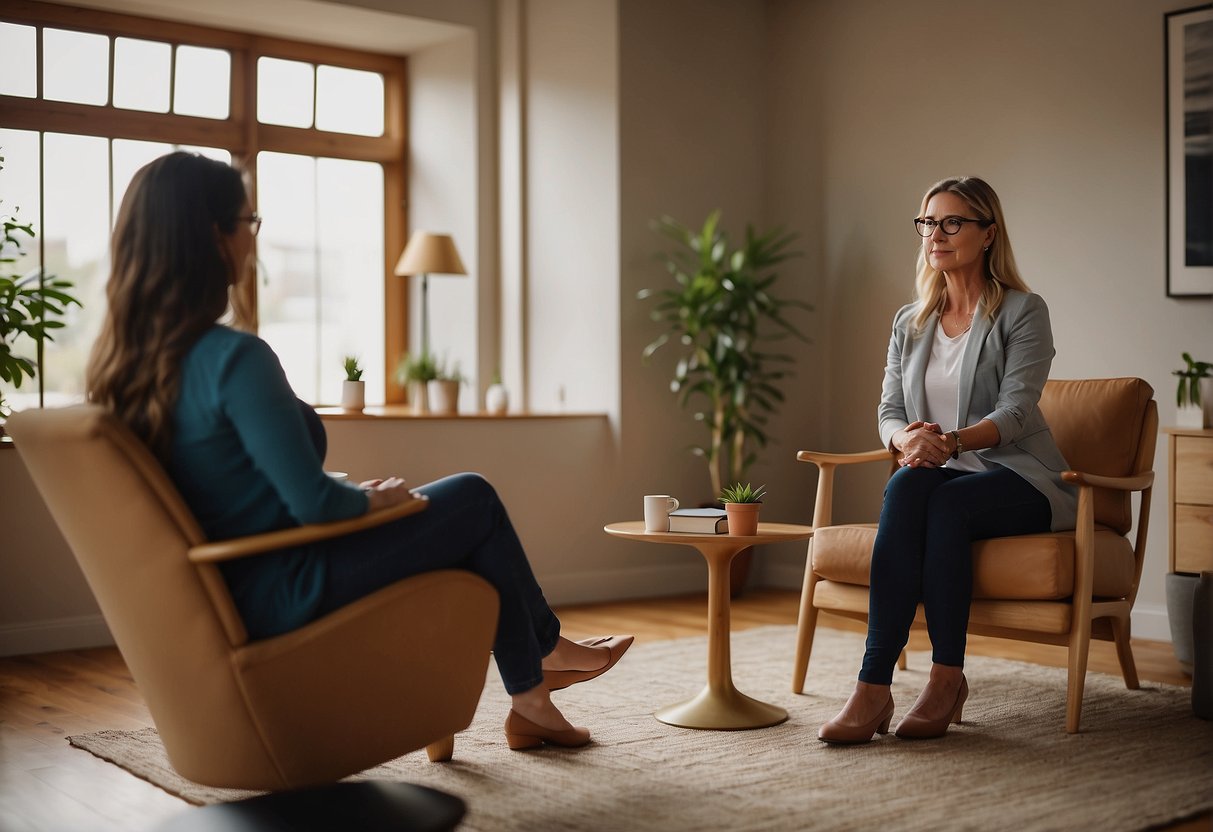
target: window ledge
<point>400,411</point>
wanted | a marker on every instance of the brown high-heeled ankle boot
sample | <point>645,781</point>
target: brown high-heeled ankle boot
<point>915,727</point>
<point>832,732</point>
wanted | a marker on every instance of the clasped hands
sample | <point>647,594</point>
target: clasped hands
<point>923,445</point>
<point>382,493</point>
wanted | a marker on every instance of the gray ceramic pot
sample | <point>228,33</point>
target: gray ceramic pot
<point>1180,589</point>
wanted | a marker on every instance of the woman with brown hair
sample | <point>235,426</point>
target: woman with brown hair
<point>214,405</point>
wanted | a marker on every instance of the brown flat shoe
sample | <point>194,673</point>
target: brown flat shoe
<point>837,734</point>
<point>915,727</point>
<point>616,647</point>
<point>521,733</point>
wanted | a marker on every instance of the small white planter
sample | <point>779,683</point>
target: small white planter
<point>353,395</point>
<point>418,400</point>
<point>444,396</point>
<point>496,400</point>
<point>1197,417</point>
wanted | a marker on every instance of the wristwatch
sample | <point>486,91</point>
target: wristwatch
<point>960,448</point>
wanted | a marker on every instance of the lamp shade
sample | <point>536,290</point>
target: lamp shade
<point>429,253</point>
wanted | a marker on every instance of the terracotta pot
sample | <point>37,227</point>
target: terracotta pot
<point>743,518</point>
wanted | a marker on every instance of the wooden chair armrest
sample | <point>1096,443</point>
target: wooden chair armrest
<point>818,457</point>
<point>239,547</point>
<point>1138,482</point>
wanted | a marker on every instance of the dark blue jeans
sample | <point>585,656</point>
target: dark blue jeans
<point>464,527</point>
<point>923,553</point>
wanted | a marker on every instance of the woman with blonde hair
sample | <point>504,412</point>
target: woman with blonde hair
<point>214,405</point>
<point>966,364</point>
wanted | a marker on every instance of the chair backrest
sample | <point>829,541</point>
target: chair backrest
<point>1106,426</point>
<point>129,530</point>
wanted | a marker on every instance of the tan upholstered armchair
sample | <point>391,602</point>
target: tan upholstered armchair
<point>400,669</point>
<point>1058,588</point>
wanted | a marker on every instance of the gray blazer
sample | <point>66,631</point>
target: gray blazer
<point>1004,367</point>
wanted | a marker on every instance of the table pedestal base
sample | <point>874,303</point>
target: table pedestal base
<point>722,710</point>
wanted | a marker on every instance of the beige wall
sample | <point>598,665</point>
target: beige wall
<point>1060,107</point>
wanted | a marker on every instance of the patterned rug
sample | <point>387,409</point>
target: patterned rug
<point>1141,760</point>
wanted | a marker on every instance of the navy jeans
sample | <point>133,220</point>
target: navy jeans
<point>464,527</point>
<point>923,553</point>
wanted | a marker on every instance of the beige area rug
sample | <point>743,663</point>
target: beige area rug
<point>1143,759</point>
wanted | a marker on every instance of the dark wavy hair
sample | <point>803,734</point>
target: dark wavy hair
<point>169,282</point>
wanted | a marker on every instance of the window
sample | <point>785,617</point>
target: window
<point>319,130</point>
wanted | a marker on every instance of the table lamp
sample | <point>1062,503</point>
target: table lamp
<point>428,253</point>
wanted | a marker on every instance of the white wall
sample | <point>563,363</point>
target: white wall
<point>1060,107</point>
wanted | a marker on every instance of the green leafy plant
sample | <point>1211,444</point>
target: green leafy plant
<point>420,367</point>
<point>29,305</point>
<point>443,372</point>
<point>1189,380</point>
<point>352,371</point>
<point>719,315</point>
<point>742,493</point>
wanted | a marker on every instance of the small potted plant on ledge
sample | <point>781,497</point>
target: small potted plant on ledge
<point>1194,397</point>
<point>353,389</point>
<point>742,504</point>
<point>413,373</point>
<point>443,389</point>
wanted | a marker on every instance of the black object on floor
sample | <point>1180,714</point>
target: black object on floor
<point>368,806</point>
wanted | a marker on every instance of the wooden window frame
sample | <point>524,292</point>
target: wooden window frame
<point>240,132</point>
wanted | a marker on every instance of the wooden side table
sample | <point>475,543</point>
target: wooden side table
<point>719,705</point>
<point>1190,468</point>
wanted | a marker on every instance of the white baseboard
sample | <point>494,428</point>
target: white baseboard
<point>50,635</point>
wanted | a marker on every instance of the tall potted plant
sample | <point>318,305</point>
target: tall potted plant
<point>721,314</point>
<point>29,306</point>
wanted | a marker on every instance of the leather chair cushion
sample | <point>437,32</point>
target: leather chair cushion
<point>1097,424</point>
<point>1028,567</point>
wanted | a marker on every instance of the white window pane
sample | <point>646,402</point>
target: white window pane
<point>349,101</point>
<point>19,46</point>
<point>284,92</point>
<point>77,201</point>
<point>350,236</point>
<point>287,289</point>
<point>202,86</point>
<point>19,198</point>
<point>141,74</point>
<point>129,156</point>
<point>75,66</point>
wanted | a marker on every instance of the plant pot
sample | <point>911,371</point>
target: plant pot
<point>418,400</point>
<point>444,396</point>
<point>353,395</point>
<point>1200,416</point>
<point>743,518</point>
<point>1180,591</point>
<point>496,399</point>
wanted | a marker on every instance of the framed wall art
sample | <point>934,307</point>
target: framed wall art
<point>1189,96</point>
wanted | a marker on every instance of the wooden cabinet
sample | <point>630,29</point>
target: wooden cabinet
<point>1190,467</point>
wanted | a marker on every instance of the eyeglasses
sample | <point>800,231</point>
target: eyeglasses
<point>254,222</point>
<point>950,225</point>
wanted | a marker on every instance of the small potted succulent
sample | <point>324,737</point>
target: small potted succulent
<point>353,389</point>
<point>1194,396</point>
<point>496,397</point>
<point>742,504</point>
<point>413,373</point>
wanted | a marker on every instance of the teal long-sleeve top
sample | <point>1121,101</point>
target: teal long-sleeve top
<point>245,463</point>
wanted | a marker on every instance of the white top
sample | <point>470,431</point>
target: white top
<point>942,381</point>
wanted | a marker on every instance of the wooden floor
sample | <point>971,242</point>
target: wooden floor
<point>46,785</point>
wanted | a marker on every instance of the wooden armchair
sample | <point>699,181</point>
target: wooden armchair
<point>400,669</point>
<point>1060,588</point>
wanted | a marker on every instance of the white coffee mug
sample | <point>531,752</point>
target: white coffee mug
<point>657,508</point>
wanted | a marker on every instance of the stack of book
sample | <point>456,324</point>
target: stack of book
<point>699,521</point>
